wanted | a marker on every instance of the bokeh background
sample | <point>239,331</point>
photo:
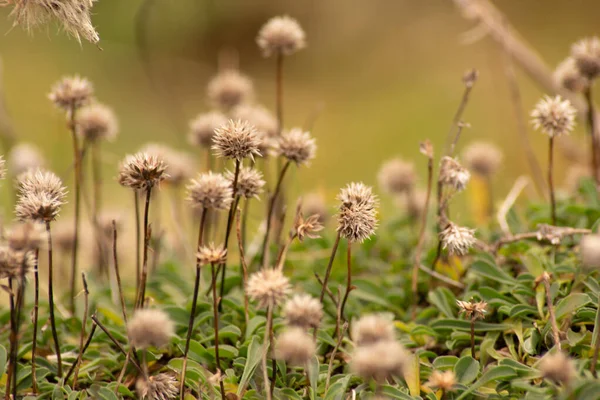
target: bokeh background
<point>385,75</point>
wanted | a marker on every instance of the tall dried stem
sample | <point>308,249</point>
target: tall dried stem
<point>216,326</point>
<point>12,339</point>
<point>144,277</point>
<point>266,344</point>
<point>86,294</point>
<point>138,239</point>
<point>51,301</point>
<point>77,155</point>
<point>117,273</point>
<point>329,265</point>
<point>349,286</point>
<point>36,307</point>
<point>551,180</point>
<point>244,265</point>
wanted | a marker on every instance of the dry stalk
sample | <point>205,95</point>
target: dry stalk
<point>244,265</point>
<point>551,180</point>
<point>147,233</point>
<point>117,273</point>
<point>36,306</point>
<point>329,265</point>
<point>216,302</point>
<point>51,301</point>
<point>86,295</point>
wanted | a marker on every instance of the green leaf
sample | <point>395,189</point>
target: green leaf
<point>492,374</point>
<point>444,300</point>
<point>491,271</point>
<point>3,359</point>
<point>337,391</point>
<point>571,303</point>
<point>313,375</point>
<point>466,370</point>
<point>445,362</point>
<point>462,325</point>
<point>252,360</point>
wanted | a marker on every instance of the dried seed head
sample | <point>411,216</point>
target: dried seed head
<point>590,251</point>
<point>457,239</point>
<point>558,367</point>
<point>158,387</point>
<point>27,235</point>
<point>297,146</point>
<point>15,263</point>
<point>202,128</point>
<point>249,183</point>
<point>71,92</point>
<point>268,287</point>
<point>373,328</point>
<point>307,227</point>
<point>303,311</point>
<point>281,35</point>
<point>38,206</point>
<point>568,76</point>
<point>586,54</point>
<point>211,254</point>
<point>236,140</point>
<point>482,158</point>
<point>229,89</point>
<point>210,191</point>
<point>472,309</point>
<point>262,119</point>
<point>453,175</point>
<point>554,116</point>
<point>142,171</point>
<point>180,166</point>
<point>74,15</point>
<point>150,327</point>
<point>357,218</point>
<point>41,181</point>
<point>295,347</point>
<point>380,361</point>
<point>97,122</point>
<point>24,157</point>
<point>397,176</point>
<point>442,380</point>
<point>314,204</point>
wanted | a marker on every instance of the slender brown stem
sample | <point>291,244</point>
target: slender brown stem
<point>117,273</point>
<point>86,294</point>
<point>555,331</point>
<point>473,318</point>
<point>12,338</point>
<point>77,155</point>
<point>551,179</point>
<point>333,354</point>
<point>20,300</point>
<point>279,92</point>
<point>122,373</point>
<point>144,277</point>
<point>85,346</point>
<point>348,280</point>
<point>461,108</point>
<point>329,265</point>
<point>282,254</point>
<point>245,222</point>
<point>138,239</point>
<point>51,301</point>
<point>216,326</point>
<point>36,306</point>
<point>244,265</point>
<point>591,121</point>
<point>596,348</point>
<point>266,344</point>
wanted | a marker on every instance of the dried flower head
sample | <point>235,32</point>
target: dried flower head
<point>202,128</point>
<point>307,227</point>
<point>472,309</point>
<point>303,311</point>
<point>41,181</point>
<point>267,287</point>
<point>71,92</point>
<point>482,158</point>
<point>373,328</point>
<point>442,380</point>
<point>568,76</point>
<point>142,171</point>
<point>558,367</point>
<point>295,347</point>
<point>397,176</point>
<point>357,218</point>
<point>158,387</point>
<point>236,140</point>
<point>590,251</point>
<point>453,175</point>
<point>38,206</point>
<point>24,157</point>
<point>314,204</point>
<point>211,254</point>
<point>180,166</point>
<point>229,89</point>
<point>586,54</point>
<point>457,239</point>
<point>27,235</point>
<point>150,327</point>
<point>262,119</point>
<point>250,182</point>
<point>281,35</point>
<point>15,263</point>
<point>554,116</point>
<point>74,15</point>
<point>97,122</point>
<point>211,191</point>
<point>297,146</point>
<point>380,361</point>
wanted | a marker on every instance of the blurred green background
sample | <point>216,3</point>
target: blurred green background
<point>386,72</point>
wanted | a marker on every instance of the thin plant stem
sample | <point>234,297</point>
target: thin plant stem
<point>279,92</point>
<point>20,300</point>
<point>266,343</point>
<point>78,155</point>
<point>122,373</point>
<point>340,337</point>
<point>117,273</point>
<point>51,301</point>
<point>244,265</point>
<point>36,306</point>
<point>458,115</point>
<point>283,253</point>
<point>245,222</point>
<point>137,240</point>
<point>12,338</point>
<point>86,294</point>
<point>591,121</point>
<point>216,326</point>
<point>329,265</point>
<point>596,348</point>
<point>96,204</point>
<point>85,346</point>
<point>551,180</point>
<point>144,277</point>
<point>348,280</point>
<point>555,331</point>
<point>194,303</point>
<point>473,318</point>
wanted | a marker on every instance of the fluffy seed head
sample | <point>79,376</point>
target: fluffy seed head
<point>380,361</point>
<point>442,380</point>
<point>314,204</point>
<point>211,191</point>
<point>236,140</point>
<point>281,35</point>
<point>457,239</point>
<point>295,347</point>
<point>41,195</point>
<point>142,171</point>
<point>267,287</point>
<point>158,387</point>
<point>554,116</point>
<point>357,218</point>
<point>472,309</point>
<point>373,328</point>
<point>297,146</point>
<point>303,311</point>
<point>71,92</point>
<point>586,53</point>
<point>211,254</point>
<point>397,176</point>
<point>14,263</point>
<point>307,227</point>
<point>24,157</point>
<point>453,175</point>
<point>568,76</point>
<point>150,327</point>
<point>482,158</point>
<point>590,251</point>
<point>23,236</point>
<point>41,181</point>
<point>97,122</point>
<point>249,183</point>
<point>202,128</point>
<point>229,89</point>
<point>558,367</point>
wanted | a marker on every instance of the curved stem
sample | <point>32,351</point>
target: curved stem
<point>329,265</point>
<point>138,240</point>
<point>551,180</point>
<point>216,327</point>
<point>348,280</point>
<point>144,277</point>
<point>51,301</point>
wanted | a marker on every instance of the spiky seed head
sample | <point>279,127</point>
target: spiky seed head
<point>314,204</point>
<point>567,75</point>
<point>38,206</point>
<point>15,263</point>
<point>250,182</point>
<point>482,158</point>
<point>71,92</point>
<point>295,347</point>
<point>586,53</point>
<point>142,171</point>
<point>554,116</point>
<point>150,327</point>
<point>211,191</point>
<point>211,254</point>
<point>558,367</point>
<point>202,128</point>
<point>180,166</point>
<point>472,309</point>
<point>281,35</point>
<point>28,235</point>
<point>236,140</point>
<point>590,251</point>
<point>373,328</point>
<point>41,181</point>
<point>307,227</point>
<point>357,217</point>
<point>297,146</point>
<point>457,239</point>
<point>24,157</point>
<point>262,119</point>
<point>268,287</point>
<point>97,122</point>
<point>303,311</point>
<point>229,89</point>
<point>380,361</point>
<point>397,176</point>
<point>453,175</point>
<point>444,380</point>
<point>159,387</point>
